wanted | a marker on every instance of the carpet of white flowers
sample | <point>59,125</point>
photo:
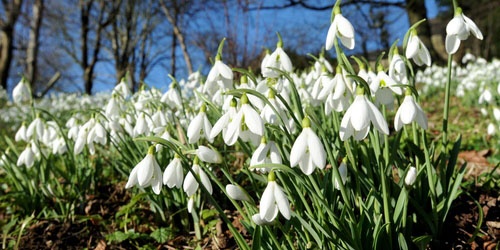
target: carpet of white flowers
<point>332,156</point>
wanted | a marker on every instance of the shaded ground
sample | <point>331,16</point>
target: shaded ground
<point>479,206</point>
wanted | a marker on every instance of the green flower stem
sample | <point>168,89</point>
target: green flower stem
<point>384,180</point>
<point>447,103</point>
<point>430,180</point>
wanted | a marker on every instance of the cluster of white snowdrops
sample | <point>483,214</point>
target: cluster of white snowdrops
<point>242,114</point>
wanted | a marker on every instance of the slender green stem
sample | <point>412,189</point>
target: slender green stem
<point>447,103</point>
<point>383,179</point>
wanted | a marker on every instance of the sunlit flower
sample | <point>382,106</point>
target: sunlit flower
<point>200,125</point>
<point>408,112</point>
<point>208,155</point>
<point>173,175</point>
<point>146,173</point>
<point>277,60</point>
<point>172,97</point>
<point>341,28</point>
<point>266,152</point>
<point>223,122</point>
<point>273,200</point>
<point>397,70</point>
<point>236,193</point>
<point>21,134</point>
<point>220,76</point>
<point>27,157</point>
<point>246,124</point>
<point>459,28</point>
<point>416,50</point>
<point>307,150</point>
<point>191,185</point>
<point>21,92</point>
<point>122,89</point>
<point>357,119</point>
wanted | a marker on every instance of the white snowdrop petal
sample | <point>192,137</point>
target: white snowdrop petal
<point>378,119</point>
<point>298,149</point>
<point>316,149</point>
<point>268,203</point>
<point>282,202</point>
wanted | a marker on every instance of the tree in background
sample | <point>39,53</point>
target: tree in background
<point>9,12</point>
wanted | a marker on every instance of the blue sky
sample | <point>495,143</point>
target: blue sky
<point>302,29</point>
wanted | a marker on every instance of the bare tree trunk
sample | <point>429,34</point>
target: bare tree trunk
<point>33,44</point>
<point>12,8</point>
<point>178,33</point>
<point>416,11</point>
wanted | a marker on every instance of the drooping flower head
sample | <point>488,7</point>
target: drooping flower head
<point>277,60</point>
<point>340,28</point>
<point>408,112</point>
<point>459,28</point>
<point>146,173</point>
<point>273,200</point>
<point>416,50</point>
<point>307,150</point>
<point>357,119</point>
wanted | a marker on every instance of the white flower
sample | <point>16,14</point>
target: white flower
<point>246,124</point>
<point>200,125</point>
<point>146,173</point>
<point>491,129</point>
<point>220,76</point>
<point>485,97</point>
<point>356,120</point>
<point>209,155</point>
<point>21,133</point>
<point>122,89</point>
<point>266,152</point>
<point>223,122</point>
<point>341,28</point>
<point>307,150</point>
<point>172,97</point>
<point>459,28</point>
<point>416,50</point>
<point>190,204</point>
<point>408,112</point>
<point>21,92</point>
<point>397,70</point>
<point>27,157</point>
<point>191,185</point>
<point>277,60</point>
<point>411,176</point>
<point>236,193</point>
<point>173,175</point>
<point>273,200</point>
<point>496,113</point>
<point>36,129</point>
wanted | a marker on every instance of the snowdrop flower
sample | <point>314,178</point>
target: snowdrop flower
<point>496,114</point>
<point>397,69</point>
<point>416,50</point>
<point>266,152</point>
<point>459,28</point>
<point>485,97</point>
<point>223,122</point>
<point>236,193</point>
<point>173,175</point>
<point>220,76</point>
<point>21,92</point>
<point>491,129</point>
<point>172,97</point>
<point>190,204</point>
<point>27,157</point>
<point>341,28</point>
<point>21,134</point>
<point>270,116</point>
<point>277,60</point>
<point>357,119</point>
<point>411,176</point>
<point>273,200</point>
<point>146,173</point>
<point>191,185</point>
<point>246,124</point>
<point>36,129</point>
<point>209,155</point>
<point>122,89</point>
<point>307,150</point>
<point>199,126</point>
<point>408,112</point>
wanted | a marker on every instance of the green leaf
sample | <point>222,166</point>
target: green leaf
<point>422,241</point>
<point>161,235</point>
